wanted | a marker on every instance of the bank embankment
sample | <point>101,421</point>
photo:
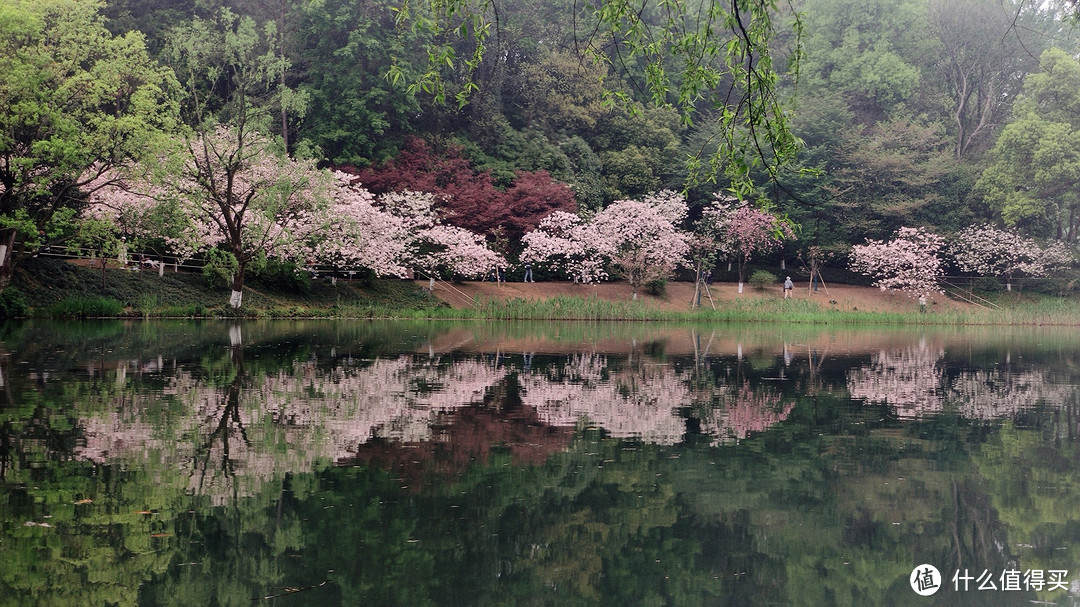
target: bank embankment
<point>55,288</point>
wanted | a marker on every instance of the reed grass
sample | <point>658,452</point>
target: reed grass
<point>86,306</point>
<point>1046,312</point>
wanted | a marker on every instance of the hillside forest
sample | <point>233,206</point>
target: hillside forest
<point>210,128</point>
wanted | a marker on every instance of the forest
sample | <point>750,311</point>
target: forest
<point>456,137</point>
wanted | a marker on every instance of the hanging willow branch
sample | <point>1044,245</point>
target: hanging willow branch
<point>694,54</point>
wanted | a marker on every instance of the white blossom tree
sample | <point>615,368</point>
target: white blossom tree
<point>990,251</point>
<point>640,239</point>
<point>911,262</point>
<point>562,242</point>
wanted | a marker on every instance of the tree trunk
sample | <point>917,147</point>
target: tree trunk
<point>695,299</point>
<point>7,257</point>
<point>237,295</point>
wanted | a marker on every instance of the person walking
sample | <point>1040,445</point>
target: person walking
<point>788,287</point>
<point>528,273</point>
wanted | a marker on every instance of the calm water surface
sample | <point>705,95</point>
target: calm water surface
<point>296,463</point>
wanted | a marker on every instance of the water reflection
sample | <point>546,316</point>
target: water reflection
<point>430,463</point>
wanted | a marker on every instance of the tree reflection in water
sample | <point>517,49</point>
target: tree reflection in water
<point>729,469</point>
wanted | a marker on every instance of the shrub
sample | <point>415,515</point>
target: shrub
<point>12,303</point>
<point>220,267</point>
<point>656,287</point>
<point>761,279</point>
<point>285,277</point>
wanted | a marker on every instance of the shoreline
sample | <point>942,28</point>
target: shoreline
<point>49,289</point>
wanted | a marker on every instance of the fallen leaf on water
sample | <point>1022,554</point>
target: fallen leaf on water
<point>33,524</point>
<point>145,512</point>
<point>83,502</point>
<point>160,534</point>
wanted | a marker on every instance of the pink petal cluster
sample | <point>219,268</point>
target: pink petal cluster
<point>911,262</point>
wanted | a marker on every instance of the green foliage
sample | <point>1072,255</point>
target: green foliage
<point>761,279</point>
<point>12,303</point>
<point>656,288</point>
<point>85,306</point>
<point>283,276</point>
<point>220,267</point>
<point>74,98</point>
<point>676,57</point>
<point>1035,164</point>
<point>356,115</point>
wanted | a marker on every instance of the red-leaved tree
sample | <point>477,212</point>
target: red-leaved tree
<point>469,198</point>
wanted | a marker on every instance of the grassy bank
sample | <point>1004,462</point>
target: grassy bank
<point>49,288</point>
<point>1051,311</point>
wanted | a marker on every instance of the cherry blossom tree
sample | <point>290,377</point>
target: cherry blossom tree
<point>434,248</point>
<point>360,233</point>
<point>399,232</point>
<point>563,243</point>
<point>911,262</point>
<point>228,188</point>
<point>638,240</point>
<point>749,231</point>
<point>707,242</point>
<point>990,251</point>
<point>244,194</point>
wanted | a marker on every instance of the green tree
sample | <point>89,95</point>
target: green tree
<point>345,49</point>
<point>865,53</point>
<point>1034,174</point>
<point>76,102</point>
<point>980,67</point>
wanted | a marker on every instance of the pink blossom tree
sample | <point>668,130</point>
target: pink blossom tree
<point>232,188</point>
<point>750,231</point>
<point>242,192</point>
<point>638,240</point>
<point>707,242</point>
<point>990,251</point>
<point>360,233</point>
<point>399,232</point>
<point>911,262</point>
<point>434,248</point>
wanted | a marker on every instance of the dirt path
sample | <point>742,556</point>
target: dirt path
<point>679,294</point>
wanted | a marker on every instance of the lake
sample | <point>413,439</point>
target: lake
<point>428,463</point>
